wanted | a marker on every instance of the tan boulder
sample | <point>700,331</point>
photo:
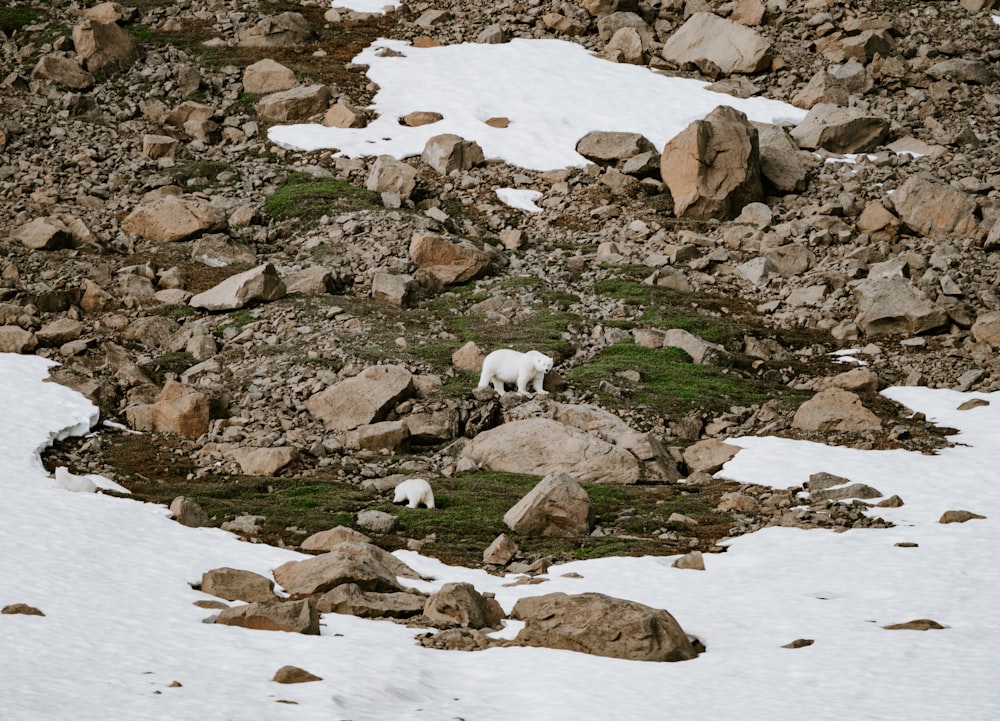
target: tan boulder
<point>321,573</point>
<point>840,130</point>
<point>257,285</point>
<point>601,625</point>
<point>712,167</point>
<point>264,461</point>
<point>291,616</point>
<point>389,175</point>
<point>363,399</point>
<point>14,339</point>
<point>182,410</point>
<point>448,261</point>
<point>350,599</point>
<point>44,234</point>
<point>63,71</point>
<point>447,153</point>
<point>283,30</point>
<point>294,105</point>
<point>294,674</point>
<point>557,506</point>
<point>468,358</point>
<point>545,446</point>
<point>104,47</point>
<point>986,329</point>
<point>607,148</point>
<point>709,455</point>
<point>329,539</point>
<point>187,512</point>
<point>267,76</point>
<point>172,218</point>
<point>934,208</point>
<point>888,306</point>
<point>717,46</point>
<point>501,551</point>
<point>460,604</point>
<point>234,584</point>
<point>343,114</point>
<point>159,146</point>
<point>835,409</point>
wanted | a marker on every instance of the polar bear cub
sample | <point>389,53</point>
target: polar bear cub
<point>73,482</point>
<point>511,366</point>
<point>415,491</point>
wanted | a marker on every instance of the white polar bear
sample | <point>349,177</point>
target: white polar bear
<point>73,482</point>
<point>415,491</point>
<point>511,366</point>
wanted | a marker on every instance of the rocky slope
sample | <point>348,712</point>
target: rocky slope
<point>137,175</point>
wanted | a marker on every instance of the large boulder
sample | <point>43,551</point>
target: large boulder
<point>889,306</point>
<point>540,446</point>
<point>267,76</point>
<point>172,218</point>
<point>601,625</point>
<point>934,208</point>
<point>329,570</point>
<point>609,148</point>
<point>257,285</point>
<point>292,616</point>
<point>389,175</point>
<point>448,261</point>
<point>234,584</point>
<point>281,30</point>
<point>62,71</point>
<point>363,399</point>
<point>840,130</point>
<point>781,161</point>
<point>460,604</point>
<point>44,234</point>
<point>986,329</point>
<point>14,339</point>
<point>350,599</point>
<point>558,506</point>
<point>104,47</point>
<point>712,167</point>
<point>447,153</point>
<point>329,539</point>
<point>293,105</point>
<point>835,409</point>
<point>717,46</point>
<point>181,409</point>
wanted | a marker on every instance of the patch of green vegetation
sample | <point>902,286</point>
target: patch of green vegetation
<point>306,198</point>
<point>237,319</point>
<point>175,363</point>
<point>204,173</point>
<point>662,307</point>
<point>670,384</point>
<point>247,101</point>
<point>13,19</point>
<point>542,331</point>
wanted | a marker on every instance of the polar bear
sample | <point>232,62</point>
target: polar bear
<point>415,491</point>
<point>510,366</point>
<point>73,482</point>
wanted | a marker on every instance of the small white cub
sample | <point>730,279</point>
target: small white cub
<point>415,491</point>
<point>73,482</point>
<point>511,366</point>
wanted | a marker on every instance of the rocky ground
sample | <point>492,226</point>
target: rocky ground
<point>100,132</point>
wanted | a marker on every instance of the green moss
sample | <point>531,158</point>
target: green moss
<point>13,19</point>
<point>670,384</point>
<point>176,363</point>
<point>237,319</point>
<point>203,173</point>
<point>306,198</point>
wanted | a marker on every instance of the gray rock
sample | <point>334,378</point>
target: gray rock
<point>717,46</point>
<point>363,399</point>
<point>187,512</point>
<point>377,521</point>
<point>712,167</point>
<point>459,604</point>
<point>294,105</point>
<point>840,130</point>
<point>556,506</point>
<point>611,148</point>
<point>292,616</point>
<point>389,175</point>
<point>601,625</point>
<point>892,306</point>
<point>448,153</point>
<point>934,208</point>
<point>350,599</point>
<point>234,584</point>
<point>257,285</point>
<point>835,409</point>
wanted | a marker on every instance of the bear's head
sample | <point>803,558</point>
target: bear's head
<point>541,361</point>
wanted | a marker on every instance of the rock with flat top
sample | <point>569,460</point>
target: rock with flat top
<point>257,285</point>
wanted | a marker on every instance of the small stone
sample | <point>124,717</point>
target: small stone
<point>799,643</point>
<point>958,516</point>
<point>22,609</point>
<point>294,674</point>
<point>920,624</point>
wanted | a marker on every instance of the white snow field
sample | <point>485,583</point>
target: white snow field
<point>553,92</point>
